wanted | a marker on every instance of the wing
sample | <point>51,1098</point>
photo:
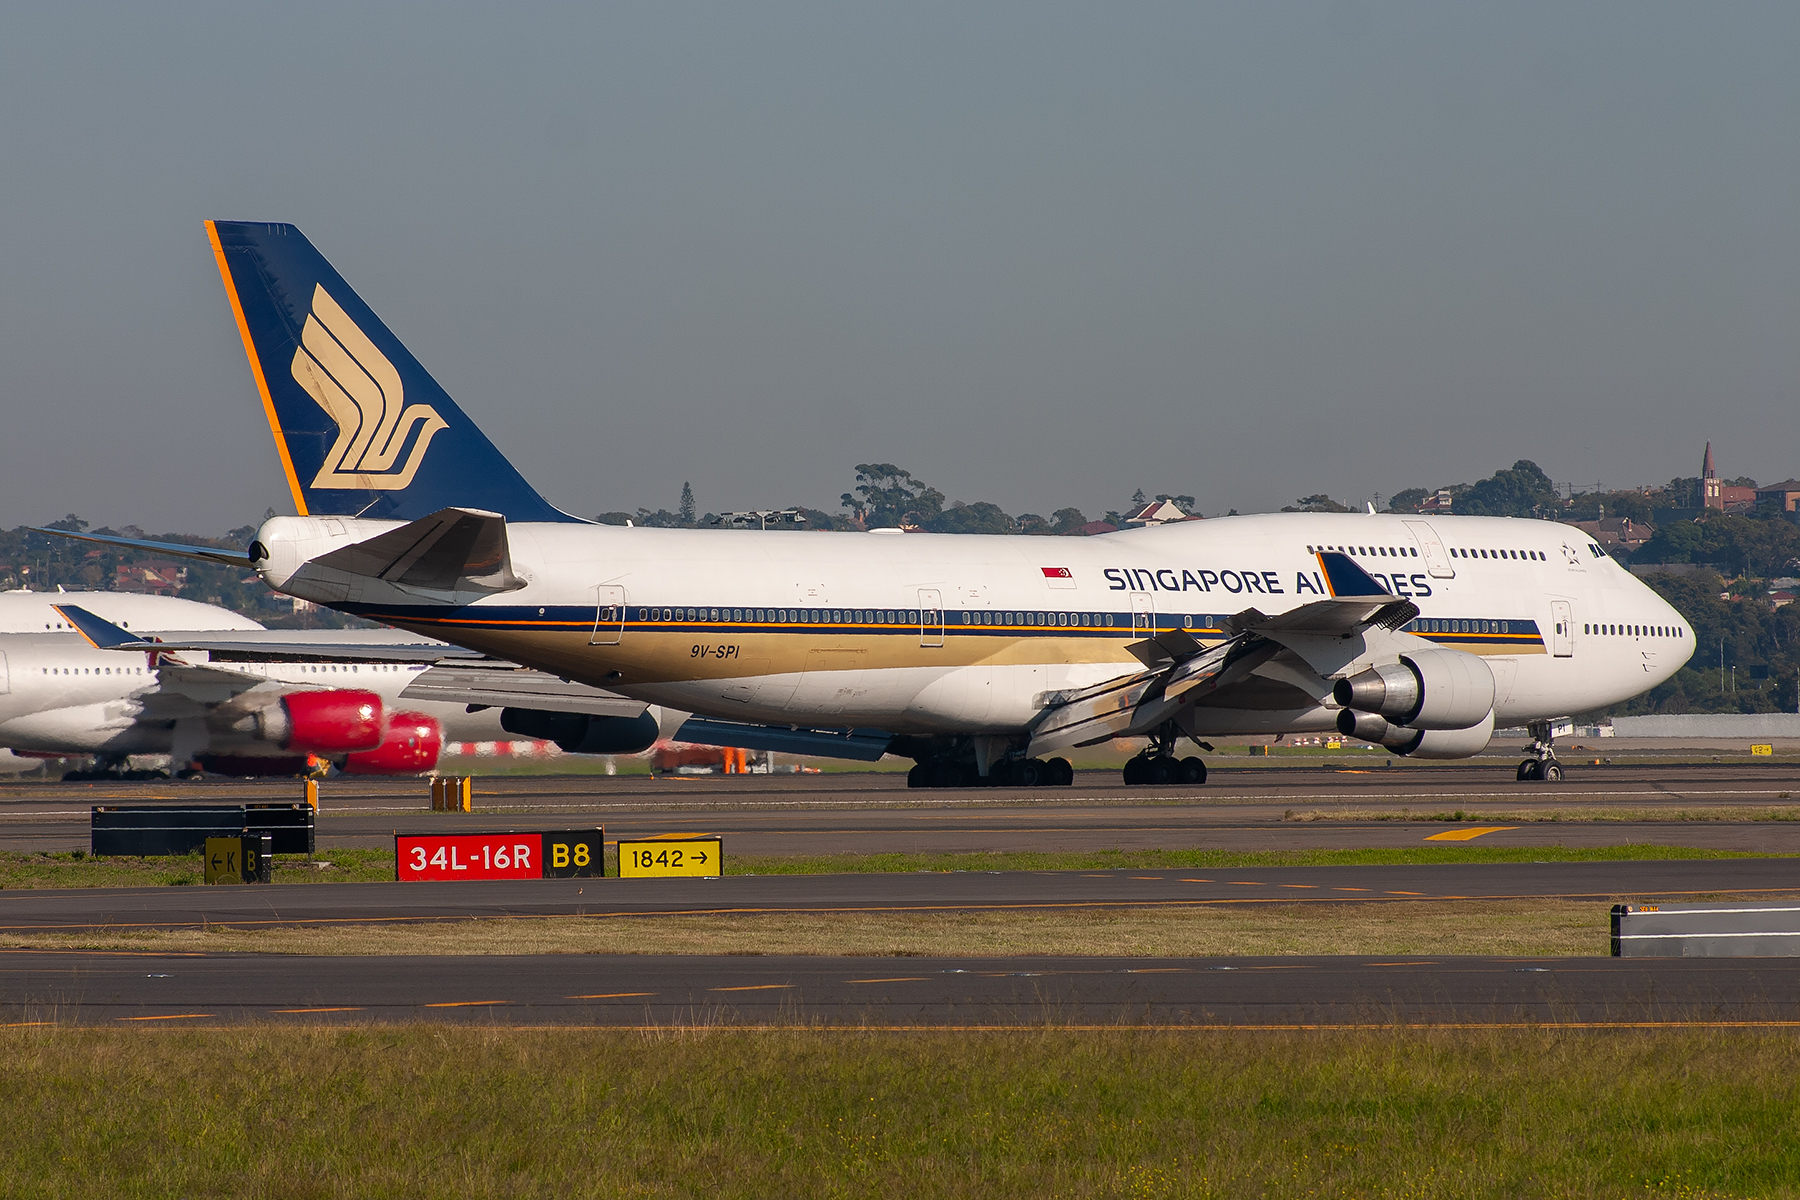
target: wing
<point>1300,648</point>
<point>503,685</point>
<point>262,645</point>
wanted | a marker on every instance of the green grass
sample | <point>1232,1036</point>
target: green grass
<point>64,869</point>
<point>445,1111</point>
<point>77,868</point>
<point>1150,860</point>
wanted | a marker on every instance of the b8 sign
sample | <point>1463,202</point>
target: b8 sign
<point>440,856</point>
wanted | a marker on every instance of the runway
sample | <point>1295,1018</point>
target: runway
<point>267,905</point>
<point>1702,805</point>
<point>159,990</point>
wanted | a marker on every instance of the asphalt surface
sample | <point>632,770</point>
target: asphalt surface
<point>151,990</point>
<point>1239,809</point>
<point>266,905</point>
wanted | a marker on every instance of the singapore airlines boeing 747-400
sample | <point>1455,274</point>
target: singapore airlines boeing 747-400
<point>982,657</point>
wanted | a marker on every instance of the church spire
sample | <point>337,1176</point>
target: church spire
<point>1710,494</point>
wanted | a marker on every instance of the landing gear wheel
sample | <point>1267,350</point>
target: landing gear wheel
<point>919,776</point>
<point>1029,773</point>
<point>1062,772</point>
<point>1134,771</point>
<point>1191,772</point>
<point>1163,770</point>
<point>1551,772</point>
<point>1527,770</point>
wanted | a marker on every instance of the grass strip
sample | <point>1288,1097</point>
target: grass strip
<point>1200,859</point>
<point>76,868</point>
<point>1529,928</point>
<point>455,1111</point>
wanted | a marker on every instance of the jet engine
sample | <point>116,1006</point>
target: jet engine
<point>1448,743</point>
<point>1429,689</point>
<point>410,747</point>
<point>1417,743</point>
<point>327,722</point>
<point>581,733</point>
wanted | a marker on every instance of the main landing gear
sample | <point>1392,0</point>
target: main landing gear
<point>1542,766</point>
<point>1011,772</point>
<point>1158,766</point>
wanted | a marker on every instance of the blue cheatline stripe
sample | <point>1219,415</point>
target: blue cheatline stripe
<point>1007,623</point>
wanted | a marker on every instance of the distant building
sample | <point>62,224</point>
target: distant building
<point>1718,496</point>
<point>1439,502</point>
<point>1157,512</point>
<point>1782,497</point>
<point>1093,528</point>
<point>151,578</point>
<point>1618,536</point>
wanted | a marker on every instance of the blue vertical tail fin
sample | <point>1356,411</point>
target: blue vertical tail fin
<point>362,428</point>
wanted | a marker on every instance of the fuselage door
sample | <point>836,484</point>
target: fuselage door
<point>5,675</point>
<point>1143,615</point>
<point>931,617</point>
<point>1562,629</point>
<point>1437,559</point>
<point>609,615</point>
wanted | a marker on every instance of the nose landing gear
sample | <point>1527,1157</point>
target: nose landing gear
<point>1541,766</point>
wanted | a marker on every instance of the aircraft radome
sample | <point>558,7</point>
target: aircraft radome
<point>982,657</point>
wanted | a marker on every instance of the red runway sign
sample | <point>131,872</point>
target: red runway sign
<point>576,854</point>
<point>470,856</point>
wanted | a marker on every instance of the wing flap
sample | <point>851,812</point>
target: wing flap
<point>518,687</point>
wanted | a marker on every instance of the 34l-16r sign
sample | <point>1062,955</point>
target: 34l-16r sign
<point>438,856</point>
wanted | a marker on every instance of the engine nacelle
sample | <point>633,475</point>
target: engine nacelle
<point>323,722</point>
<point>1430,689</point>
<point>1373,727</point>
<point>1448,743</point>
<point>581,733</point>
<point>410,747</point>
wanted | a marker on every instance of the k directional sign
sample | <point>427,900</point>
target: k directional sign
<point>666,856</point>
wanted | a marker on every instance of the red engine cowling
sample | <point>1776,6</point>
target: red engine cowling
<point>410,748</point>
<point>325,722</point>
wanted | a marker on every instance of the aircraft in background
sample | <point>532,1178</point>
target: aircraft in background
<point>217,692</point>
<point>975,655</point>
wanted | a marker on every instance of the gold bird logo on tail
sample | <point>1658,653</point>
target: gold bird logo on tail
<point>355,384</point>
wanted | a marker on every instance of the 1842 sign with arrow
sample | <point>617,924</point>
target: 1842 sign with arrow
<point>645,860</point>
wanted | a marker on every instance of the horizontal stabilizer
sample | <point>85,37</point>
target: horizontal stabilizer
<point>253,646</point>
<point>452,550</point>
<point>865,745</point>
<point>506,686</point>
<point>231,558</point>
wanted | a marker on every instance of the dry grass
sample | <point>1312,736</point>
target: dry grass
<point>1573,814</point>
<point>440,1111</point>
<point>1522,927</point>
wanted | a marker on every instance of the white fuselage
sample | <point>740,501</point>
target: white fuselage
<point>924,633</point>
<point>61,695</point>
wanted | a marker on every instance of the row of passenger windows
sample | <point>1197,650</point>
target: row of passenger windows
<point>782,616</point>
<point>1432,625</point>
<point>1369,551</point>
<point>1603,630</point>
<point>1530,555</point>
<point>304,670</point>
<point>92,670</point>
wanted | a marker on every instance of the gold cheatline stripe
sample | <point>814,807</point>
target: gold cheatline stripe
<point>262,384</point>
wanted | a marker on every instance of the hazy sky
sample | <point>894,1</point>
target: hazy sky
<point>1040,255</point>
